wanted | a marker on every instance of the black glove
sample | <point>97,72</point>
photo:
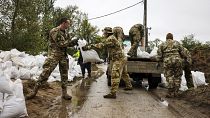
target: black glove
<point>73,42</point>
<point>84,48</point>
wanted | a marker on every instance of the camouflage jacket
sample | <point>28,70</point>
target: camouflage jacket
<point>137,30</point>
<point>188,56</point>
<point>58,42</point>
<point>170,48</point>
<point>113,46</point>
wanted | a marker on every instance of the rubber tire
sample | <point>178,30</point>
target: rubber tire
<point>153,82</point>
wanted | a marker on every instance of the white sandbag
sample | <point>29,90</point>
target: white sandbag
<point>1,101</point>
<point>15,53</point>
<point>71,62</point>
<point>18,92</point>
<point>29,61</point>
<point>13,108</point>
<point>40,60</point>
<point>14,72</point>
<point>52,79</point>
<point>17,61</point>
<point>24,73</point>
<point>7,56</point>
<point>5,65</point>
<point>163,81</point>
<point>198,78</point>
<point>153,53</point>
<point>89,55</point>
<point>6,84</point>
<point>55,75</point>
<point>183,86</point>
<point>142,54</point>
<point>34,70</point>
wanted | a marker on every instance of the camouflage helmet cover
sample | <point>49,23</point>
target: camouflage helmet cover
<point>107,30</point>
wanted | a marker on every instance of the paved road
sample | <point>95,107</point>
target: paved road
<point>137,103</point>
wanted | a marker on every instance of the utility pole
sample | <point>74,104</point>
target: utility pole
<point>145,25</point>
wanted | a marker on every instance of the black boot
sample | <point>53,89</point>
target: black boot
<point>170,93</point>
<point>128,88</point>
<point>110,95</point>
<point>34,92</point>
<point>65,94</point>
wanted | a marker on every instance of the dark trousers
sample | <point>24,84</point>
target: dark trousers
<point>87,66</point>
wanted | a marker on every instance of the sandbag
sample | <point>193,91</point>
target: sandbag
<point>14,105</point>
<point>6,84</point>
<point>89,55</point>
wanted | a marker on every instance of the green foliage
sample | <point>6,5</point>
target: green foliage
<point>152,44</point>
<point>25,24</point>
<point>190,42</point>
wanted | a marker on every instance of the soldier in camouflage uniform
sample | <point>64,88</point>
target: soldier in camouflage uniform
<point>119,34</point>
<point>187,62</point>
<point>117,56</point>
<point>171,53</point>
<point>136,34</point>
<point>59,40</point>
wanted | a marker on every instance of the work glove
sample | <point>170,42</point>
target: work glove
<point>85,48</point>
<point>74,42</point>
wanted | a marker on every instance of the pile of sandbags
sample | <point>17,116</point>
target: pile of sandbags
<point>12,101</point>
<point>24,66</point>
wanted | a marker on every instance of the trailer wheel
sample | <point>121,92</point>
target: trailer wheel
<point>153,82</point>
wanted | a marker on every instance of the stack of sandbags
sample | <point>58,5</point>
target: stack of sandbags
<point>12,101</point>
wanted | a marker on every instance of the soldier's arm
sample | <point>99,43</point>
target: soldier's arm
<point>59,39</point>
<point>159,56</point>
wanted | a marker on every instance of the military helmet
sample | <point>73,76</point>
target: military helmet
<point>107,30</point>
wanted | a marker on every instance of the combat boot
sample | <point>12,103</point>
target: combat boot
<point>128,88</point>
<point>110,95</point>
<point>177,93</point>
<point>170,93</point>
<point>65,94</point>
<point>34,92</point>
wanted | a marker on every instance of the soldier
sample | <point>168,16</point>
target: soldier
<point>170,53</point>
<point>136,34</point>
<point>59,40</point>
<point>119,34</point>
<point>117,56</point>
<point>187,63</point>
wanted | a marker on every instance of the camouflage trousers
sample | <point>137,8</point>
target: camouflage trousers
<point>173,73</point>
<point>188,75</point>
<point>50,64</point>
<point>119,71</point>
<point>133,50</point>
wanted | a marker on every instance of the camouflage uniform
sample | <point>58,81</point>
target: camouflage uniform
<point>170,53</point>
<point>118,59</point>
<point>57,55</point>
<point>136,33</point>
<point>119,34</point>
<point>187,62</point>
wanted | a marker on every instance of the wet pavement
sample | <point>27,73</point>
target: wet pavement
<point>88,102</point>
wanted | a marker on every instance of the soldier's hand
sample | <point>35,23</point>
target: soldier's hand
<point>74,42</point>
<point>84,48</point>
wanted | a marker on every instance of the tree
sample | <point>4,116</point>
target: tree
<point>190,42</point>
